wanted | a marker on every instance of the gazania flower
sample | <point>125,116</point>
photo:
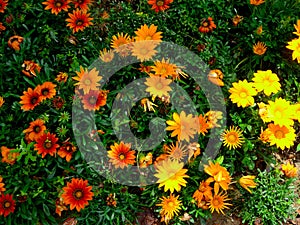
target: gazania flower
<point>121,43</point>
<point>94,100</point>
<point>60,206</point>
<point>281,112</point>
<point>295,46</point>
<point>265,135</point>
<point>66,150</point>
<point>146,33</point>
<point>30,99</point>
<point>282,136</point>
<point>106,56</point>
<point>237,19</point>
<point>2,101</point>
<point>170,174</point>
<point>203,194</point>
<point>145,69</point>
<point>144,50</point>
<point>259,48</point>
<point>147,104</point>
<point>145,161</point>
<point>203,125</point>
<point>176,152</point>
<point>82,4</point>
<point>247,182</point>
<point>7,204</point>
<point>3,4</point>
<point>297,27</point>
<point>15,41</point>
<point>77,194</point>
<point>87,80</point>
<point>158,86</point>
<point>121,155</point>
<point>263,112</point>
<point>259,30</point>
<point>216,77</point>
<point>163,68</point>
<point>242,93</point>
<point>2,28</point>
<point>183,126</point>
<point>289,170</point>
<point>62,77</point>
<point>212,118</point>
<point>219,175</point>
<point>266,81</point>
<point>194,150</point>
<point>58,102</point>
<point>2,188</point>
<point>30,68</point>
<point>207,25</point>
<point>46,90</point>
<point>57,5</point>
<point>79,20</point>
<point>256,2</point>
<point>8,156</point>
<point>232,138</point>
<point>295,116</point>
<point>46,144</point>
<point>160,5</point>
<point>35,130</point>
<point>170,207</point>
<point>218,203</point>
<point>111,200</point>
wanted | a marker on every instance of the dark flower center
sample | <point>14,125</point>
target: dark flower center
<point>58,4</point>
<point>79,22</point>
<point>48,144</point>
<point>6,204</point>
<point>45,91</point>
<point>37,129</point>
<point>78,194</point>
<point>80,1</point>
<point>33,100</point>
<point>92,100</point>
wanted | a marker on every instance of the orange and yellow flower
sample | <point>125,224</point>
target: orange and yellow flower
<point>82,4</point>
<point>46,90</point>
<point>94,100</point>
<point>259,48</point>
<point>163,68</point>
<point>160,5</point>
<point>289,170</point>
<point>297,27</point>
<point>3,4</point>
<point>46,144</point>
<point>66,150</point>
<point>281,136</point>
<point>256,2</point>
<point>158,86</point>
<point>61,77</point>
<point>2,188</point>
<point>247,182</point>
<point>121,155</point>
<point>106,56</point>
<point>87,80</point>
<point>216,77</point>
<point>281,112</point>
<point>8,156</point>
<point>232,138</point>
<point>77,194</point>
<point>30,99</point>
<point>207,25</point>
<point>294,45</point>
<point>203,125</point>
<point>79,20</point>
<point>35,130</point>
<point>170,207</point>
<point>218,203</point>
<point>203,194</point>
<point>143,50</point>
<point>146,33</point>
<point>242,93</point>
<point>57,5</point>
<point>15,41</point>
<point>30,68</point>
<point>2,101</point>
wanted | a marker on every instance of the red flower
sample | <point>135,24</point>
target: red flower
<point>46,144</point>
<point>7,204</point>
<point>160,5</point>
<point>207,25</point>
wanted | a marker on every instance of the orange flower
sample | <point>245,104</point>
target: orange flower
<point>236,20</point>
<point>289,170</point>
<point>216,77</point>
<point>30,68</point>
<point>82,4</point>
<point>2,28</point>
<point>203,194</point>
<point>256,2</point>
<point>60,206</point>
<point>145,161</point>
<point>61,77</point>
<point>77,193</point>
<point>163,68</point>
<point>15,41</point>
<point>160,5</point>
<point>8,156</point>
<point>7,204</point>
<point>121,155</point>
<point>121,44</point>
<point>259,48</point>
<point>2,101</point>
<point>88,80</point>
<point>144,50</point>
<point>148,33</point>
<point>203,125</point>
<point>207,25</point>
<point>177,152</point>
<point>46,144</point>
<point>46,90</point>
<point>2,188</point>
<point>94,100</point>
<point>106,56</point>
<point>259,30</point>
<point>35,130</point>
<point>30,99</point>
<point>57,5</point>
<point>3,4</point>
<point>66,150</point>
<point>79,20</point>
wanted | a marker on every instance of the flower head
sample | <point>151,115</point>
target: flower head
<point>207,25</point>
<point>94,100</point>
<point>160,5</point>
<point>30,68</point>
<point>57,5</point>
<point>2,101</point>
<point>158,86</point>
<point>82,4</point>
<point>203,194</point>
<point>8,156</point>
<point>106,56</point>
<point>289,170</point>
<point>163,68</point>
<point>259,48</point>
<point>61,77</point>
<point>2,188</point>
<point>144,50</point>
<point>121,43</point>
<point>216,77</point>
<point>121,155</point>
<point>266,81</point>
<point>15,41</point>
<point>247,182</point>
<point>79,20</point>
<point>256,2</point>
<point>281,112</point>
<point>46,144</point>
<point>30,99</point>
<point>66,150</point>
<point>7,204</point>
<point>77,194</point>
<point>170,207</point>
<point>218,203</point>
<point>232,138</point>
<point>295,46</point>
<point>87,80</point>
<point>35,130</point>
<point>3,4</point>
<point>46,90</point>
<point>281,136</point>
<point>297,27</point>
<point>242,93</point>
<point>146,33</point>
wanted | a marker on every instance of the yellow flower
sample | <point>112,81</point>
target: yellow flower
<point>212,118</point>
<point>297,27</point>
<point>264,112</point>
<point>106,56</point>
<point>183,126</point>
<point>295,46</point>
<point>170,174</point>
<point>259,30</point>
<point>163,68</point>
<point>282,136</point>
<point>144,50</point>
<point>259,48</point>
<point>177,152</point>
<point>266,81</point>
<point>219,175</point>
<point>241,93</point>
<point>247,182</point>
<point>158,86</point>
<point>289,170</point>
<point>148,33</point>
<point>87,80</point>
<point>1,101</point>
<point>218,203</point>
<point>296,112</point>
<point>147,104</point>
<point>232,138</point>
<point>170,207</point>
<point>281,112</point>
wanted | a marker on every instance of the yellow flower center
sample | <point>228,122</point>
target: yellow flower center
<point>47,144</point>
<point>58,4</point>
<point>278,114</point>
<point>163,70</point>
<point>205,24</point>
<point>92,100</point>
<point>87,82</point>
<point>159,86</point>
<point>160,3</point>
<point>279,134</point>
<point>148,37</point>
<point>121,156</point>
<point>216,203</point>
<point>171,204</point>
<point>7,204</point>
<point>232,138</point>
<point>79,22</point>
<point>243,94</point>
<point>78,194</point>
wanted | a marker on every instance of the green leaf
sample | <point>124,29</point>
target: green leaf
<point>46,209</point>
